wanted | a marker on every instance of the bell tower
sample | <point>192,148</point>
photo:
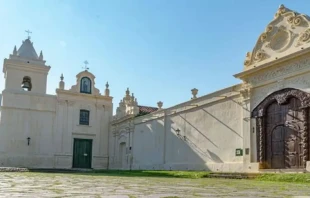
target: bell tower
<point>24,70</point>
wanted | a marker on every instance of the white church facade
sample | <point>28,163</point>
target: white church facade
<point>261,123</point>
<point>35,126</point>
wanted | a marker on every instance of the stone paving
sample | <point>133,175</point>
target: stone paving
<point>90,185</point>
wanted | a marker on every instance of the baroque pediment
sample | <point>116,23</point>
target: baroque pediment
<point>79,77</point>
<point>287,33</point>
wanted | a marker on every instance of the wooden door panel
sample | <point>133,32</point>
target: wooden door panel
<point>277,147</point>
<point>82,153</point>
<point>283,123</point>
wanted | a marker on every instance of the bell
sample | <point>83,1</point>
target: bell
<point>26,85</point>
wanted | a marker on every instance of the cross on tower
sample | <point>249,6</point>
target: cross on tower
<point>28,32</point>
<point>85,67</point>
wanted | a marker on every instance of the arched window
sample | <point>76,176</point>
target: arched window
<point>26,84</point>
<point>85,85</point>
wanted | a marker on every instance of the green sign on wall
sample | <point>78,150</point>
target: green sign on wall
<point>239,152</point>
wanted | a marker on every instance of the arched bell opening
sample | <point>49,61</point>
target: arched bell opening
<point>26,83</point>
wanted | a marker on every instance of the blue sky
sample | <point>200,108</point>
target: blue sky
<point>159,49</point>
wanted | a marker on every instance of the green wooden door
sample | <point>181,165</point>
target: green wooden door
<point>82,153</point>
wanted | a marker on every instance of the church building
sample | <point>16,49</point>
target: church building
<point>37,130</point>
<point>260,124</point>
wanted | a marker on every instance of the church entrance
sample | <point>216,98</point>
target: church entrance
<point>82,153</point>
<point>282,130</point>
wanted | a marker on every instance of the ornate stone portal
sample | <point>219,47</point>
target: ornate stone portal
<point>282,129</point>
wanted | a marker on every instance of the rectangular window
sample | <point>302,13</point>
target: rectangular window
<point>84,117</point>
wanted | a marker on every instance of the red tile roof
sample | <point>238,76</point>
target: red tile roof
<point>143,110</point>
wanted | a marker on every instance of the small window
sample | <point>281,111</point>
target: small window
<point>84,117</point>
<point>85,85</point>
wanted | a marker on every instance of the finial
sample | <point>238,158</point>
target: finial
<point>107,90</point>
<point>28,32</point>
<point>132,97</point>
<point>62,83</point>
<point>15,51</point>
<point>86,67</point>
<point>41,55</point>
<point>127,92</point>
<point>160,105</point>
<point>194,93</point>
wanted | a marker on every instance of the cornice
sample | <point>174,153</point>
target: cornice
<point>68,92</point>
<point>14,91</point>
<point>15,64</point>
<point>270,64</point>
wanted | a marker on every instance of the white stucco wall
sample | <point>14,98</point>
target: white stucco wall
<point>52,122</point>
<point>68,127</point>
<point>23,116</point>
<point>213,130</point>
<point>148,144</point>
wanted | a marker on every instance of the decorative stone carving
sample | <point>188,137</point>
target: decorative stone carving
<point>280,11</point>
<point>294,20</point>
<point>279,71</point>
<point>127,106</point>
<point>261,140</point>
<point>292,124</point>
<point>247,61</point>
<point>269,28</point>
<point>259,93</point>
<point>283,33</point>
<point>260,55</point>
<point>304,137</point>
<point>280,40</point>
<point>245,91</point>
<point>281,97</point>
<point>304,38</point>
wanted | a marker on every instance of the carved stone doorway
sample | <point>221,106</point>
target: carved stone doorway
<point>282,130</point>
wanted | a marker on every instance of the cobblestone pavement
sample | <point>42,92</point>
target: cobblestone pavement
<point>86,185</point>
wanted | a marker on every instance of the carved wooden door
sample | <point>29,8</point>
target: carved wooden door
<point>283,123</point>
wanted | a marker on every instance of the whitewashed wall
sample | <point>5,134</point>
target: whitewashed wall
<point>213,130</point>
<point>68,128</point>
<point>52,122</point>
<point>23,116</point>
